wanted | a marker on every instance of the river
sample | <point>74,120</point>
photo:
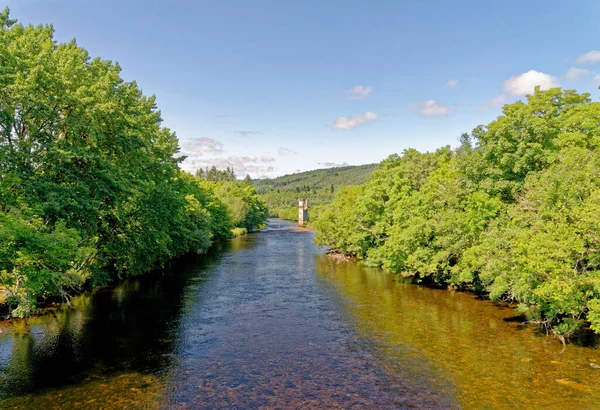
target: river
<point>270,321</point>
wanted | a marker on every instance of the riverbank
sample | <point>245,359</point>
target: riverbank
<point>270,320</point>
<point>49,305</point>
<point>193,336</point>
<point>584,336</point>
<point>510,212</point>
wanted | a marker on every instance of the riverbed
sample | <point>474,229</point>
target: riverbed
<point>270,321</point>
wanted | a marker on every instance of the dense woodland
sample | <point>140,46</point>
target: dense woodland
<point>320,186</point>
<point>91,190</point>
<point>512,213</point>
<point>90,186</point>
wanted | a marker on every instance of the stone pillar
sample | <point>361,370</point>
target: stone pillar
<point>302,212</point>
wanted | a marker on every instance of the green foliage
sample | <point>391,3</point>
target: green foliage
<point>290,213</point>
<point>513,212</point>
<point>340,225</point>
<point>245,208</point>
<point>38,260</point>
<point>237,232</point>
<point>213,174</point>
<point>319,186</point>
<point>90,185</point>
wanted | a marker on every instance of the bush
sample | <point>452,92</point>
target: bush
<point>237,232</point>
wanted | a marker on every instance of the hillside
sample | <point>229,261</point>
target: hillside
<point>319,186</point>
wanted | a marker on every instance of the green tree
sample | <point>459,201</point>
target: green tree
<point>511,213</point>
<point>90,185</point>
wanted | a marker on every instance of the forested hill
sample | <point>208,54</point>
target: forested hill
<point>319,185</point>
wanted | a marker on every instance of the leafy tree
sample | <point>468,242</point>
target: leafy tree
<point>90,185</point>
<point>246,209</point>
<point>215,175</point>
<point>512,212</point>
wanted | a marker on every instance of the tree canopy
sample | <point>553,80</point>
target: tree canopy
<point>90,184</point>
<point>511,213</point>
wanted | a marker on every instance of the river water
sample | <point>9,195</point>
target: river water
<point>270,321</point>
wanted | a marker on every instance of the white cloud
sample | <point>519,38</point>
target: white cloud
<point>575,73</point>
<point>244,133</point>
<point>597,79</point>
<point>202,145</point>
<point>285,151</point>
<point>451,84</point>
<point>431,109</point>
<point>498,101</point>
<point>495,102</point>
<point>359,92</point>
<point>266,158</point>
<point>525,83</point>
<point>332,164</point>
<point>353,121</point>
<point>589,57</point>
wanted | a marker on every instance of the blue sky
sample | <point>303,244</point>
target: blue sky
<point>272,87</point>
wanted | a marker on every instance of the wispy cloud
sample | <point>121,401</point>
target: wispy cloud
<point>597,80</point>
<point>495,102</point>
<point>498,101</point>
<point>575,73</point>
<point>266,158</point>
<point>589,58</point>
<point>431,109</point>
<point>202,145</point>
<point>285,152</point>
<point>245,133</point>
<point>525,83</point>
<point>352,121</point>
<point>359,92</point>
<point>452,84</point>
<point>332,164</point>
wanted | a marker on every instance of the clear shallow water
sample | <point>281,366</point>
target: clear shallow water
<point>269,321</point>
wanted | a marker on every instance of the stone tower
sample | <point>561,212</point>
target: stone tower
<point>302,211</point>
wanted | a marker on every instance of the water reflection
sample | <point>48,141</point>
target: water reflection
<point>249,325</point>
<point>267,333</point>
<point>127,332</point>
<point>493,362</point>
<point>268,320</point>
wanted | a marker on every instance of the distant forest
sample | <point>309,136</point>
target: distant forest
<point>319,186</point>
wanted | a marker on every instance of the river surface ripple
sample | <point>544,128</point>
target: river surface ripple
<point>269,321</point>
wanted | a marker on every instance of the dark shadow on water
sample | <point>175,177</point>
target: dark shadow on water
<point>269,320</point>
<point>515,319</point>
<point>133,325</point>
<point>585,338</point>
